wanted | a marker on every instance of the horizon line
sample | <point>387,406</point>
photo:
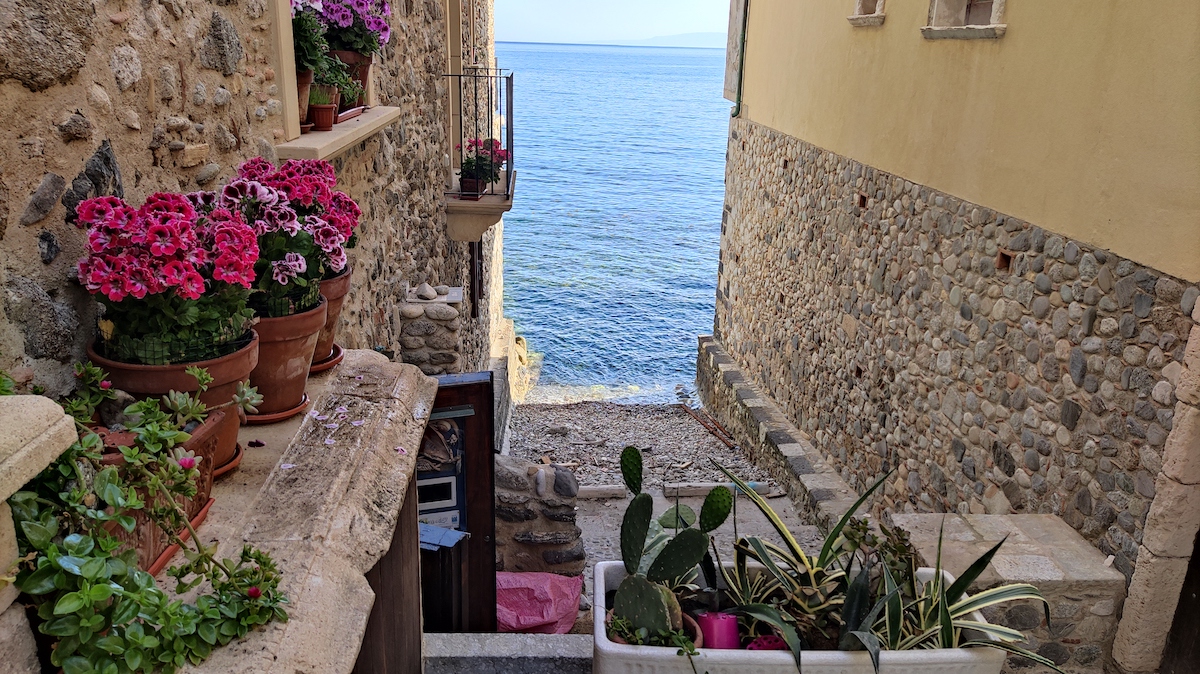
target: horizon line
<point>604,44</point>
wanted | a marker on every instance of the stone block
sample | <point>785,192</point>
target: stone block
<point>1181,456</point>
<point>1149,611</point>
<point>33,431</point>
<point>1174,518</point>
<point>8,555</point>
<point>193,155</point>
<point>525,653</point>
<point>17,644</point>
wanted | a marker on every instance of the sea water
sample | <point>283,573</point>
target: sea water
<point>610,250</point>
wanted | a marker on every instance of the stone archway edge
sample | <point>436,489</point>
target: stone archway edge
<point>1170,531</point>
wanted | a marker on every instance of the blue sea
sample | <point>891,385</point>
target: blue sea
<point>610,250</point>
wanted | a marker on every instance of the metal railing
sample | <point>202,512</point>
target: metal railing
<point>481,133</point>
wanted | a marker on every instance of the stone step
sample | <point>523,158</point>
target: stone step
<point>508,654</point>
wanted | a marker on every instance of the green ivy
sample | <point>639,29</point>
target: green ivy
<point>107,616</point>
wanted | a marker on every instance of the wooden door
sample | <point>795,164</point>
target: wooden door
<point>392,643</point>
<point>1182,655</point>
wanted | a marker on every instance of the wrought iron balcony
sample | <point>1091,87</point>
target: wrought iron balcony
<point>482,176</point>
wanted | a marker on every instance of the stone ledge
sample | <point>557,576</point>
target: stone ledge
<point>326,512</point>
<point>508,653</point>
<point>33,431</point>
<point>769,438</point>
<point>865,20</point>
<point>991,32</point>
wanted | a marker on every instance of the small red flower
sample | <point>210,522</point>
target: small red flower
<point>106,384</point>
<point>254,593</point>
<point>187,463</point>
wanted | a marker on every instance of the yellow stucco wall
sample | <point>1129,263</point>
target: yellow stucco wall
<point>1083,119</point>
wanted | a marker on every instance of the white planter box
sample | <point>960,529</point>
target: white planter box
<point>613,658</point>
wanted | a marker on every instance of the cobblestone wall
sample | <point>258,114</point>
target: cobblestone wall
<point>173,95</point>
<point>535,518</point>
<point>994,364</point>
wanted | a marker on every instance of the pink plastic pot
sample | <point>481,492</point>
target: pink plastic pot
<point>720,630</point>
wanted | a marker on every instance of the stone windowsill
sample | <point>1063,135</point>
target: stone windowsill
<point>861,20</point>
<point>991,32</point>
<point>325,512</point>
<point>328,144</point>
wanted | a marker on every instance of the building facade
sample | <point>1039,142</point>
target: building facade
<point>172,96</point>
<point>961,240</point>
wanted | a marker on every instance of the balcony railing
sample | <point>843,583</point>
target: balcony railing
<point>482,134</point>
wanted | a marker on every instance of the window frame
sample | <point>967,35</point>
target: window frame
<point>948,20</point>
<point>861,18</point>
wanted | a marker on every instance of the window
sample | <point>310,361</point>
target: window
<point>965,19</point>
<point>867,13</point>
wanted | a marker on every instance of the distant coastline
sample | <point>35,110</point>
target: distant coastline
<point>608,44</point>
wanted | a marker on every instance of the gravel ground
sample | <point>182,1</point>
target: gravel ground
<point>592,434</point>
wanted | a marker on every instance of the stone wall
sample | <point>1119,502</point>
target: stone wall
<point>995,365</point>
<point>173,95</point>
<point>535,518</point>
<point>430,327</point>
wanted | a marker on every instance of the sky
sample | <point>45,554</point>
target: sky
<point>592,21</point>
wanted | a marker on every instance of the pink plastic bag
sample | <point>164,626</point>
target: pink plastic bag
<point>538,603</point>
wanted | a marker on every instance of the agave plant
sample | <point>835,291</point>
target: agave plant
<point>938,615</point>
<point>803,594</point>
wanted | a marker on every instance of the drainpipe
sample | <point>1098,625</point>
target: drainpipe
<point>737,108</point>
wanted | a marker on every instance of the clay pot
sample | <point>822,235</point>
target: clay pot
<point>334,291</point>
<point>322,117</point>
<point>690,627</point>
<point>473,188</point>
<point>147,381</point>
<point>285,355</point>
<point>359,66</point>
<point>304,79</point>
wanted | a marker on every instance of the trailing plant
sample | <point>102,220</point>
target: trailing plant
<point>173,280</point>
<point>93,389</point>
<point>107,615</point>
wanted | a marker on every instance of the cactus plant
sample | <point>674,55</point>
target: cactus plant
<point>631,469</point>
<point>678,517</point>
<point>680,556</point>
<point>633,531</point>
<point>641,603</point>
<point>716,509</point>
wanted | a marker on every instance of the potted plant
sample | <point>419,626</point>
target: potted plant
<point>174,282</point>
<point>857,606</point>
<point>308,42</point>
<point>482,161</point>
<point>356,31</point>
<point>322,106</point>
<point>343,213</point>
<point>99,611</point>
<point>303,226</point>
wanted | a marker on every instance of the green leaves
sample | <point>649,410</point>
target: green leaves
<point>70,603</point>
<point>39,534</point>
<point>631,469</point>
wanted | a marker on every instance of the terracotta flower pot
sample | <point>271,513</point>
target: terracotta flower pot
<point>473,188</point>
<point>145,381</point>
<point>334,291</point>
<point>304,79</point>
<point>286,353</point>
<point>359,66</point>
<point>322,116</point>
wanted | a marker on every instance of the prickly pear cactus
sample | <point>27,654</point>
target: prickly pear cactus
<point>680,556</point>
<point>716,509</point>
<point>641,603</point>
<point>678,517</point>
<point>631,469</point>
<point>633,531</point>
<point>674,610</point>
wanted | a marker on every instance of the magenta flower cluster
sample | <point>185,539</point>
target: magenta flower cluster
<point>373,14</point>
<point>164,246</point>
